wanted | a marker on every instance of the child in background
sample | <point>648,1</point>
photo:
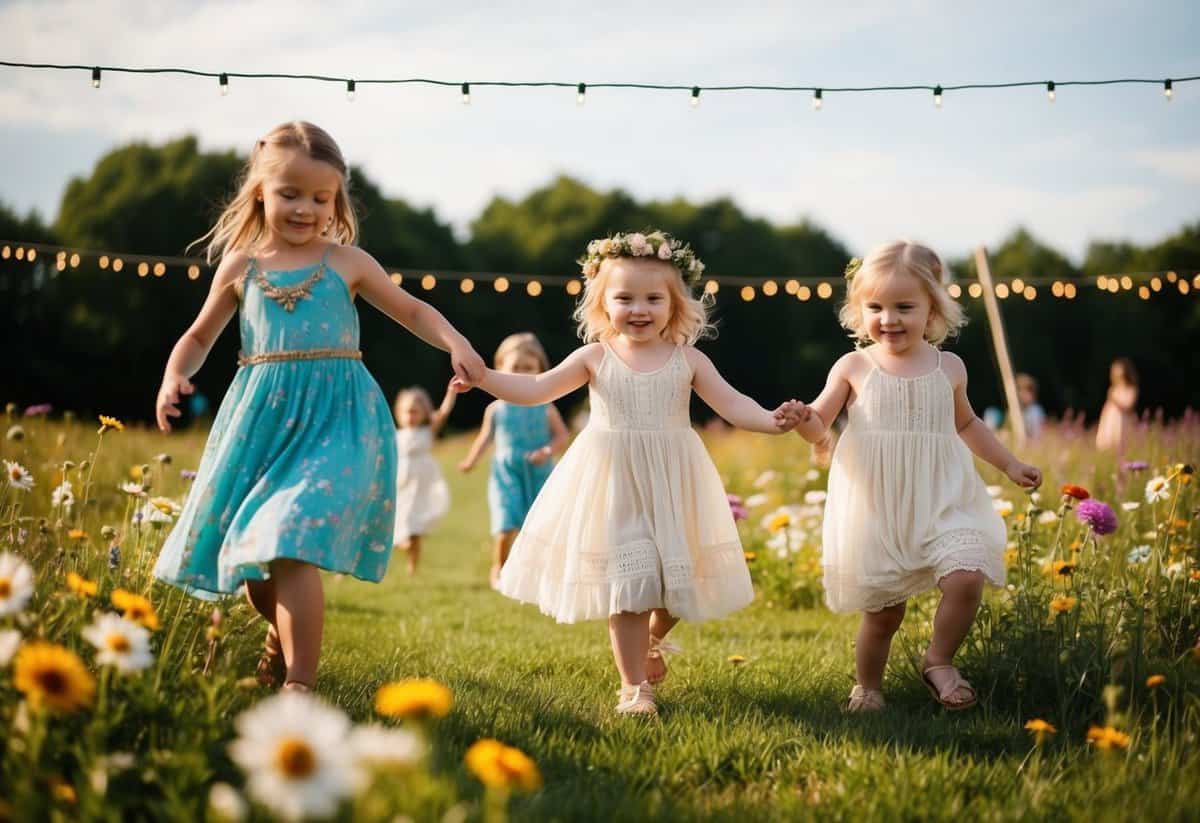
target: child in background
<point>1031,409</point>
<point>1118,418</point>
<point>526,437</point>
<point>422,497</point>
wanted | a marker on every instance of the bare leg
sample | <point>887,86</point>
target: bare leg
<point>961,593</point>
<point>874,644</point>
<point>272,666</point>
<point>661,622</point>
<point>630,636</point>
<point>414,553</point>
<point>501,546</point>
<point>261,594</point>
<point>300,617</point>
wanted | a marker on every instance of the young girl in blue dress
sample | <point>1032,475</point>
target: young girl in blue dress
<point>299,470</point>
<point>527,437</point>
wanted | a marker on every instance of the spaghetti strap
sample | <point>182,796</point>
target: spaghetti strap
<point>939,365</point>
<point>325,256</point>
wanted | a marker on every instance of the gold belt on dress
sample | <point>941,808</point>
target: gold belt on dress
<point>307,354</point>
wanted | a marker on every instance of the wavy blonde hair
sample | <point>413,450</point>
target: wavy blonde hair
<point>417,395</point>
<point>521,343</point>
<point>689,320</point>
<point>243,221</point>
<point>946,316</point>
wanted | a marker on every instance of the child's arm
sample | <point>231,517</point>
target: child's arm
<point>978,437</point>
<point>193,347</point>
<point>368,278</point>
<point>536,389</point>
<point>442,413</point>
<point>558,438</point>
<point>829,403</point>
<point>734,407</point>
<point>481,442</point>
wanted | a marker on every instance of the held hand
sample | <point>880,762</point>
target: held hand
<point>1023,474</point>
<point>791,414</point>
<point>459,386</point>
<point>468,365</point>
<point>538,456</point>
<point>168,399</point>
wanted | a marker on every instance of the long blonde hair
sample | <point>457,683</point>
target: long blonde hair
<point>946,316</point>
<point>243,221</point>
<point>418,396</point>
<point>521,343</point>
<point>689,315</point>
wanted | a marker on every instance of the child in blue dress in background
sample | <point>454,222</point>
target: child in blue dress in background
<point>299,471</point>
<point>527,437</point>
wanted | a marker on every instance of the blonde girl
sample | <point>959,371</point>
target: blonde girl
<point>526,437</point>
<point>422,496</point>
<point>633,526</point>
<point>1118,417</point>
<point>300,466</point>
<point>906,510</point>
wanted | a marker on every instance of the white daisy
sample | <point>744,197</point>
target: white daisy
<point>1157,488</point>
<point>1035,498</point>
<point>122,644</point>
<point>10,639</point>
<point>1003,507</point>
<point>133,489</point>
<point>226,804</point>
<point>296,755</point>
<point>1047,517</point>
<point>18,476</point>
<point>63,496</point>
<point>149,513</point>
<point>1130,505</point>
<point>16,583</point>
<point>994,491</point>
<point>764,479</point>
<point>811,474</point>
<point>1176,569</point>
<point>380,749</point>
<point>1139,554</point>
<point>815,496</point>
<point>756,500</point>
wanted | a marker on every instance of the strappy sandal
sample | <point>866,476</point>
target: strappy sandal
<point>271,670</point>
<point>297,686</point>
<point>637,700</point>
<point>945,694</point>
<point>865,700</point>
<point>660,647</point>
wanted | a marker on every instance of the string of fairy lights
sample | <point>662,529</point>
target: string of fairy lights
<point>1145,284</point>
<point>819,93</point>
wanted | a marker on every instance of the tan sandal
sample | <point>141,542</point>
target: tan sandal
<point>945,694</point>
<point>660,647</point>
<point>271,670</point>
<point>865,700</point>
<point>297,686</point>
<point>637,700</point>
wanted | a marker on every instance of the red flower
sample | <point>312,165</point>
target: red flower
<point>1078,492</point>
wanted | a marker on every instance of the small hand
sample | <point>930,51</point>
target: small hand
<point>538,456</point>
<point>468,365</point>
<point>466,465</point>
<point>1023,474</point>
<point>459,386</point>
<point>168,399</point>
<point>791,414</point>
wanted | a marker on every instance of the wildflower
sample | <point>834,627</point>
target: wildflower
<point>814,497</point>
<point>812,474</point>
<point>414,698</point>
<point>379,749</point>
<point>107,423</point>
<point>63,496</point>
<point>122,644</point>
<point>136,608</point>
<point>1040,729</point>
<point>1134,465</point>
<point>187,474</point>
<point>1075,492</point>
<point>53,677</point>
<point>10,639</point>
<point>18,476</point>
<point>994,491</point>
<point>1048,517</point>
<point>1003,507</point>
<point>15,433</point>
<point>764,479</point>
<point>778,521</point>
<point>502,767</point>
<point>38,410</point>
<point>736,659</point>
<point>756,500</point>
<point>80,585</point>
<point>1098,516</point>
<point>1157,489</point>
<point>226,804</point>
<point>1194,574</point>
<point>294,750</point>
<point>750,556</point>
<point>736,508</point>
<point>1011,556</point>
<point>77,534</point>
<point>1155,680</point>
<point>114,556</point>
<point>150,513</point>
<point>16,583</point>
<point>108,532</point>
<point>63,791</point>
<point>1107,738</point>
<point>1130,505</point>
<point>1059,568</point>
<point>133,489</point>
<point>1061,604</point>
<point>1138,554</point>
<point>162,458</point>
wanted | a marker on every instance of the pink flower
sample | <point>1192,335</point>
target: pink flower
<point>736,508</point>
<point>664,251</point>
<point>638,245</point>
<point>606,246</point>
<point>41,408</point>
<point>1098,516</point>
<point>590,268</point>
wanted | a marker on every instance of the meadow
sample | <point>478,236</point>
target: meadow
<point>1087,663</point>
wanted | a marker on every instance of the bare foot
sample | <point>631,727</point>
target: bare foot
<point>494,577</point>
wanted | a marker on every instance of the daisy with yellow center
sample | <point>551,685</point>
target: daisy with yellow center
<point>120,643</point>
<point>416,698</point>
<point>502,767</point>
<point>18,476</point>
<point>107,423</point>
<point>16,583</point>
<point>80,585</point>
<point>1157,488</point>
<point>53,677</point>
<point>1062,604</point>
<point>778,521</point>
<point>136,608</point>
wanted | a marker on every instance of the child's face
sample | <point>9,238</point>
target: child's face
<point>410,414</point>
<point>521,363</point>
<point>896,313</point>
<point>1026,395</point>
<point>298,197</point>
<point>636,298</point>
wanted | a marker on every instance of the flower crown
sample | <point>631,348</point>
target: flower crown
<point>656,244</point>
<point>852,268</point>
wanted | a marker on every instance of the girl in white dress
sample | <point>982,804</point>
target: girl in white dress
<point>633,526</point>
<point>422,497</point>
<point>906,509</point>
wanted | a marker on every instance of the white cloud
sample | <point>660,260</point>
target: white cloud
<point>1180,163</point>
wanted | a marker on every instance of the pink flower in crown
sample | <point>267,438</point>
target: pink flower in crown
<point>605,247</point>
<point>594,247</point>
<point>591,268</point>
<point>638,245</point>
<point>664,251</point>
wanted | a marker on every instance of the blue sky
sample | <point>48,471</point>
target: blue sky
<point>1101,163</point>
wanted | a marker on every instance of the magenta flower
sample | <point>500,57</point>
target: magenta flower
<point>1098,517</point>
<point>41,408</point>
<point>737,508</point>
<point>1135,465</point>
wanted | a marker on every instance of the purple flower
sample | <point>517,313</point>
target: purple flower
<point>1098,516</point>
<point>1135,466</point>
<point>41,408</point>
<point>114,556</point>
<point>737,508</point>
<point>187,474</point>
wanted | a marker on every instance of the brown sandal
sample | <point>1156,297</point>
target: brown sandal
<point>271,670</point>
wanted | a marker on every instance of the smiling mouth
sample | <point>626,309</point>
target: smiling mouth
<point>641,324</point>
<point>299,224</point>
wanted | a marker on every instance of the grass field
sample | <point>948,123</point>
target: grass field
<point>763,739</point>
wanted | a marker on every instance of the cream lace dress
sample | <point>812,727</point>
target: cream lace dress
<point>422,496</point>
<point>634,516</point>
<point>905,505</point>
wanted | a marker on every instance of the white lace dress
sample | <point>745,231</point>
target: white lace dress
<point>634,516</point>
<point>906,505</point>
<point>422,497</point>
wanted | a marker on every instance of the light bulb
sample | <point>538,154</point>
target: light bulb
<point>96,77</point>
<point>695,96</point>
<point>466,94</point>
<point>581,95</point>
<point>1050,94</point>
<point>817,100</point>
<point>1168,92</point>
<point>937,96</point>
<point>224,81</point>
<point>350,86</point>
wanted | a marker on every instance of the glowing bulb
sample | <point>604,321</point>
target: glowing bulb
<point>193,272</point>
<point>467,285</point>
<point>824,291</point>
<point>466,94</point>
<point>1057,288</point>
<point>574,287</point>
<point>791,286</point>
<point>817,100</point>
<point>397,278</point>
<point>581,94</point>
<point>803,293</point>
<point>1069,291</point>
<point>954,290</point>
<point>428,282</point>
<point>769,288</point>
<point>223,80</point>
<point>747,293</point>
<point>1002,290</point>
<point>712,287</point>
<point>937,96</point>
<point>1050,94</point>
<point>1168,92</point>
<point>695,96</point>
<point>159,269</point>
<point>350,86</point>
<point>74,261</point>
<point>533,288</point>
<point>143,269</point>
<point>975,290</point>
<point>118,264</point>
<point>501,284</point>
<point>95,77</point>
<point>31,255</point>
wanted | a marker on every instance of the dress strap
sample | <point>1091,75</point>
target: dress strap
<point>867,351</point>
<point>325,256</point>
<point>939,365</point>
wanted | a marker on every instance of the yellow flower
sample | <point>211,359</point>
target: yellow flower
<point>53,677</point>
<point>1107,738</point>
<point>1155,680</point>
<point>750,556</point>
<point>1062,568</point>
<point>80,585</point>
<point>414,698</point>
<point>779,520</point>
<point>77,534</point>
<point>502,767</point>
<point>135,472</point>
<point>736,659</point>
<point>1040,729</point>
<point>1010,556</point>
<point>63,791</point>
<point>1062,604</point>
<point>136,608</point>
<point>107,423</point>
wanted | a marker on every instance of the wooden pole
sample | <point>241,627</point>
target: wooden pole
<point>1000,343</point>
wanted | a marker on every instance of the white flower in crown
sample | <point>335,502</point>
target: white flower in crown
<point>605,247</point>
<point>638,245</point>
